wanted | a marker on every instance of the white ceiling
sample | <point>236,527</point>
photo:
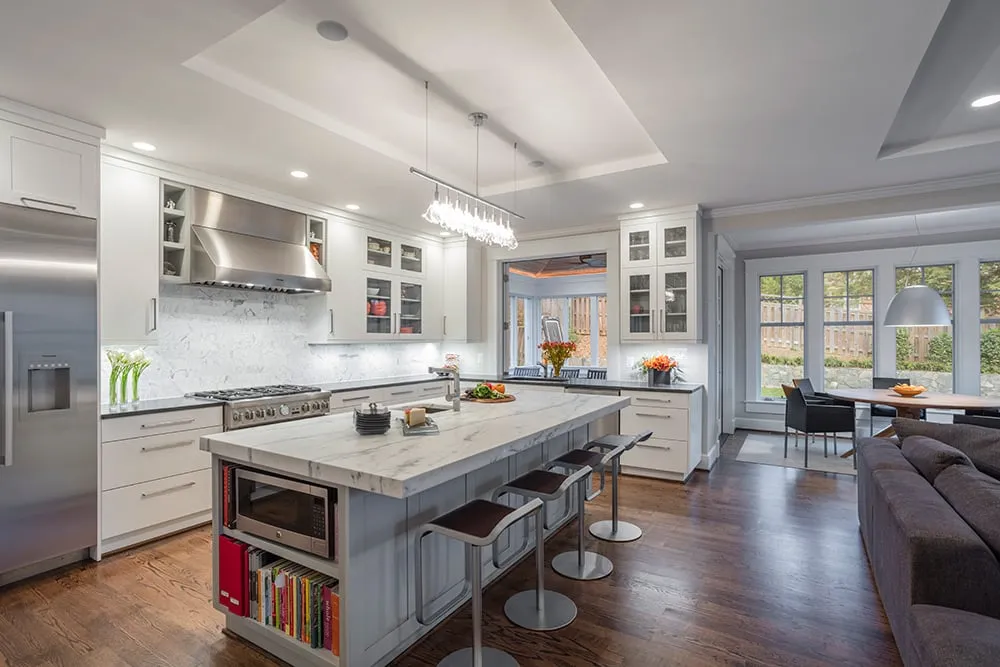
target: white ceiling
<point>748,101</point>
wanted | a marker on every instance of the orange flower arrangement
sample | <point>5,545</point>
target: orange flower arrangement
<point>556,353</point>
<point>660,362</point>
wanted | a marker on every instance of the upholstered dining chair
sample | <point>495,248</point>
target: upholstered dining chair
<point>526,371</point>
<point>809,417</point>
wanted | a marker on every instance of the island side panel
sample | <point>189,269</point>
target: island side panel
<point>381,569</point>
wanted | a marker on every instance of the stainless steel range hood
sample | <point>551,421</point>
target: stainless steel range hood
<point>240,243</point>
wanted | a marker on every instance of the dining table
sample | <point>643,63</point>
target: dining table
<point>911,407</point>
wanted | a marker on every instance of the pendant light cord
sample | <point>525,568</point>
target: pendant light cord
<point>427,126</point>
<point>477,160</point>
<point>515,175</point>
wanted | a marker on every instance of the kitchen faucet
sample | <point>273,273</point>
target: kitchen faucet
<point>455,393</point>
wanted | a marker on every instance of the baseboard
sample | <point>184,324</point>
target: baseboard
<point>709,460</point>
<point>750,424</point>
<point>654,474</point>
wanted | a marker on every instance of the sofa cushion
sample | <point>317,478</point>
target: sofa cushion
<point>923,552</point>
<point>981,445</point>
<point>881,454</point>
<point>931,456</point>
<point>943,637</point>
<point>976,498</point>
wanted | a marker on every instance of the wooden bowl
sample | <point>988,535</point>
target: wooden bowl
<point>908,392</point>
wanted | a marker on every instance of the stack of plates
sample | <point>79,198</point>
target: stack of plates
<point>372,420</point>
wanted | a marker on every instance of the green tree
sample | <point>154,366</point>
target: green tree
<point>940,352</point>
<point>989,351</point>
<point>904,346</point>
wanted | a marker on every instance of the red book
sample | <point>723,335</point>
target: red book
<point>335,621</point>
<point>233,575</point>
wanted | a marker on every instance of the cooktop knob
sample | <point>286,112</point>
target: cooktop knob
<point>248,414</point>
<point>284,410</point>
<point>236,416</point>
<point>270,412</point>
<point>305,407</point>
<point>315,405</point>
<point>259,412</point>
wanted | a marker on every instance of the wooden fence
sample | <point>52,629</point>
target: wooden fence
<point>841,341</point>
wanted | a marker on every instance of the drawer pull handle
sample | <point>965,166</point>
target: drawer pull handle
<point>171,445</point>
<point>652,400</point>
<point>647,414</point>
<point>401,393</point>
<point>432,388</point>
<point>354,398</point>
<point>175,422</point>
<point>153,494</point>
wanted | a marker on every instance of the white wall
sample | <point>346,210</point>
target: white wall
<point>581,285</point>
<point>215,338</point>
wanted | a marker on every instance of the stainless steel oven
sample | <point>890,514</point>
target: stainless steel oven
<point>293,513</point>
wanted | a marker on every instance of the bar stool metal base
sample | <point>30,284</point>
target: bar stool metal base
<point>491,658</point>
<point>604,530</point>
<point>557,611</point>
<point>595,566</point>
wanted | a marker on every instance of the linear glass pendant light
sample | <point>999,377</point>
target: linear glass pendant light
<point>917,306</point>
<point>461,211</point>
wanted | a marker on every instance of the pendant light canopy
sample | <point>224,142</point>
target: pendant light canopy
<point>917,306</point>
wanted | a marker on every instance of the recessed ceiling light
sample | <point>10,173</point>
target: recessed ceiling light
<point>444,233</point>
<point>143,146</point>
<point>636,205</point>
<point>298,173</point>
<point>989,100</point>
<point>353,207</point>
<point>332,30</point>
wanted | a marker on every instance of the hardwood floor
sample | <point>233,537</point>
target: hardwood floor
<point>750,565</point>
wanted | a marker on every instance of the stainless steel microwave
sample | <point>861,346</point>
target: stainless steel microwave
<point>287,511</point>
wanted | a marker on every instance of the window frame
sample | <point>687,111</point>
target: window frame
<point>761,324</point>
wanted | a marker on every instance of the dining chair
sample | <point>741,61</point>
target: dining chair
<point>808,417</point>
<point>788,389</point>
<point>597,373</point>
<point>525,372</point>
<point>571,373</point>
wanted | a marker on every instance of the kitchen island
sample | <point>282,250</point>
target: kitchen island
<point>388,486</point>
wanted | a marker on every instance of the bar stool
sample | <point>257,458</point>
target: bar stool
<point>580,564</point>
<point>476,523</point>
<point>539,609</point>
<point>615,530</point>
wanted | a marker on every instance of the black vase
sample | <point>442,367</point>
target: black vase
<point>659,378</point>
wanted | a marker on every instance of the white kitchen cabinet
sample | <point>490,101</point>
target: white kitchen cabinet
<point>155,480</point>
<point>47,171</point>
<point>387,288</point>
<point>129,242</point>
<point>674,450</point>
<point>462,318</point>
<point>659,277</point>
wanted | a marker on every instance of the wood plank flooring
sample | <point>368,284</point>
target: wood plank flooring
<point>749,565</point>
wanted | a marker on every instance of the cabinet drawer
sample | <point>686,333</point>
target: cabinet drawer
<point>665,456</point>
<point>155,423</point>
<point>658,399</point>
<point>144,505</point>
<point>397,395</point>
<point>125,462</point>
<point>353,399</point>
<point>665,423</point>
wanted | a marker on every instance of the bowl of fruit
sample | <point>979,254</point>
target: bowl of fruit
<point>909,390</point>
<point>488,392</point>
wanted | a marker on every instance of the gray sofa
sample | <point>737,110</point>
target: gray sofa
<point>930,522</point>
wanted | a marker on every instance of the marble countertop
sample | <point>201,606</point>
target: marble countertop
<point>633,385</point>
<point>328,450</point>
<point>156,405</point>
<point>374,383</point>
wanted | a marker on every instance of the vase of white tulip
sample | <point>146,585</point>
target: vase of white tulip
<point>137,363</point>
<point>119,360</point>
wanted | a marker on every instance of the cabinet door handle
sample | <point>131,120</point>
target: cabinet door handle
<point>355,398</point>
<point>663,325</point>
<point>175,422</point>
<point>444,326</point>
<point>647,414</point>
<point>156,323</point>
<point>46,202</point>
<point>172,445</point>
<point>331,321</point>
<point>171,489</point>
<point>395,323</point>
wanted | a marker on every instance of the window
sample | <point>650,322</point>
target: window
<point>584,321</point>
<point>848,329</point>
<point>925,355</point>
<point>989,328</point>
<point>782,331</point>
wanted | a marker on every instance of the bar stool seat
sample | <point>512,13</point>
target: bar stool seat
<point>476,523</point>
<point>615,530</point>
<point>582,564</point>
<point>539,609</point>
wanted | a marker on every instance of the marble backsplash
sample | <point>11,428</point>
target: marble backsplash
<point>211,338</point>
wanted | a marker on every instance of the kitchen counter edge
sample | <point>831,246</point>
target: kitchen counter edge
<point>630,385</point>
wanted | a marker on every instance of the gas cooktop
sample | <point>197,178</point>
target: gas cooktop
<point>270,404</point>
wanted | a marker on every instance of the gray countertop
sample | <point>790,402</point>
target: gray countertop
<point>633,385</point>
<point>155,405</point>
<point>329,450</point>
<point>374,383</point>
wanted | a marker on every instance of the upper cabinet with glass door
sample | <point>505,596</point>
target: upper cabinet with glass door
<point>659,240</point>
<point>392,255</point>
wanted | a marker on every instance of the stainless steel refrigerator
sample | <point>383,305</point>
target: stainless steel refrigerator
<point>48,389</point>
